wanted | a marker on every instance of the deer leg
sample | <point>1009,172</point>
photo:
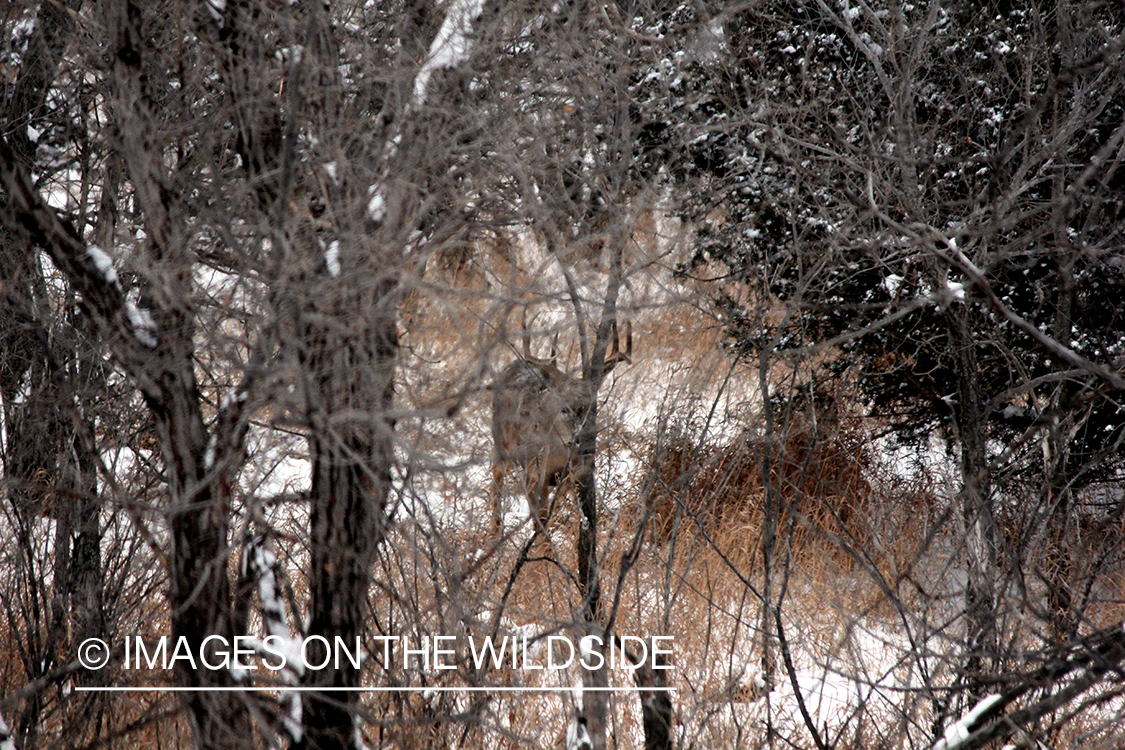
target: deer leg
<point>498,471</point>
<point>536,495</point>
<point>566,487</point>
<point>543,514</point>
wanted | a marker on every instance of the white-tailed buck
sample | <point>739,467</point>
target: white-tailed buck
<point>535,408</point>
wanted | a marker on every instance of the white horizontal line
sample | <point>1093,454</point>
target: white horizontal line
<point>309,689</point>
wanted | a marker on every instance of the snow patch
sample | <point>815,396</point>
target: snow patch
<point>451,46</point>
<point>358,734</point>
<point>332,257</point>
<point>263,564</point>
<point>23,389</point>
<point>216,8</point>
<point>587,647</point>
<point>144,327</point>
<point>377,205</point>
<point>104,264</point>
<point>959,731</point>
<point>209,455</point>
<point>289,56</point>
<point>892,284</point>
<point>577,738</point>
<point>6,736</point>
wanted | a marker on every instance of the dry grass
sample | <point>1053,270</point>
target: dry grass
<point>832,501</point>
<point>864,555</point>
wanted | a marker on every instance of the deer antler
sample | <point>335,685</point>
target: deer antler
<point>526,337</point>
<point>615,354</point>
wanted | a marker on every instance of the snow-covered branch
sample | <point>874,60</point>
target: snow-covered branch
<point>450,47</point>
<point>86,266</point>
<point>262,565</point>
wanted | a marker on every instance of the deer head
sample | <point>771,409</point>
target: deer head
<point>535,408</point>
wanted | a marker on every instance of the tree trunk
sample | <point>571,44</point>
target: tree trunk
<point>595,704</point>
<point>349,367</point>
<point>976,503</point>
<point>656,706</point>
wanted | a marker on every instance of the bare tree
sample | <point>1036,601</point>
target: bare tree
<point>258,264</point>
<point>910,222</point>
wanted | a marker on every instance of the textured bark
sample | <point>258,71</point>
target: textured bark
<point>199,590</point>
<point>595,706</point>
<point>161,364</point>
<point>349,368</point>
<point>47,376</point>
<point>37,72</point>
<point>656,706</point>
<point>243,58</point>
<point>976,503</point>
<point>1058,490</point>
<point>198,510</point>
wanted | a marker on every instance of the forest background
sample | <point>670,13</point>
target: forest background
<point>260,263</point>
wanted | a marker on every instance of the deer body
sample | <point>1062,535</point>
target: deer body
<point>534,405</point>
<point>535,408</point>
